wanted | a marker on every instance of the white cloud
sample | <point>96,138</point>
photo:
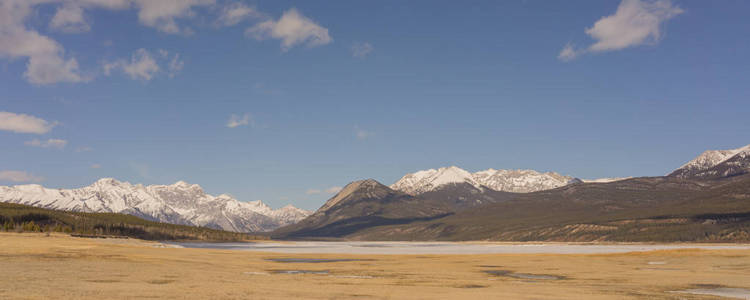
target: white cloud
<point>23,123</point>
<point>145,66</point>
<point>330,190</point>
<point>46,63</point>
<point>236,120</point>
<point>635,23</point>
<point>142,65</point>
<point>50,143</point>
<point>175,65</point>
<point>96,166</point>
<point>69,18</point>
<point>333,189</point>
<point>234,13</point>
<point>292,29</point>
<point>568,53</point>
<point>18,176</point>
<point>361,50</point>
<point>161,14</point>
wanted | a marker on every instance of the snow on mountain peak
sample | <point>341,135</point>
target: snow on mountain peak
<point>520,181</point>
<point>429,180</point>
<point>707,160</point>
<point>179,203</point>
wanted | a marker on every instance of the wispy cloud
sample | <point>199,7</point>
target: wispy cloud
<point>313,192</point>
<point>330,190</point>
<point>360,133</point>
<point>84,149</point>
<point>237,121</point>
<point>19,176</point>
<point>234,13</point>
<point>333,189</point>
<point>163,15</point>
<point>292,29</point>
<point>50,143</point>
<point>361,50</point>
<point>145,66</point>
<point>141,169</point>
<point>96,166</point>
<point>635,23</point>
<point>568,53</point>
<point>23,123</point>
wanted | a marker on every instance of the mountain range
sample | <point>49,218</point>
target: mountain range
<point>187,204</point>
<point>517,181</point>
<point>445,203</point>
<point>180,203</point>
<point>707,199</point>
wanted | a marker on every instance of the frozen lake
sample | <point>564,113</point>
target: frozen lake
<point>450,247</point>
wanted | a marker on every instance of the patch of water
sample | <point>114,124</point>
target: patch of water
<point>450,247</point>
<point>255,273</point>
<point>523,275</point>
<point>353,276</point>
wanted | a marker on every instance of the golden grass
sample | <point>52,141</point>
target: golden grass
<point>62,267</point>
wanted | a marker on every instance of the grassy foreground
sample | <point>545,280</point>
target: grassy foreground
<point>60,266</point>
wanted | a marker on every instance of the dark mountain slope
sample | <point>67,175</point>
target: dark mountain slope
<point>640,209</point>
<point>359,205</point>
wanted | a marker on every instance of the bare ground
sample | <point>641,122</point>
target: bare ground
<point>37,266</point>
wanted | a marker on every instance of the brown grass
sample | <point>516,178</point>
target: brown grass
<point>63,267</point>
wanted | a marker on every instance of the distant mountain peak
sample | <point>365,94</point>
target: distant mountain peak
<point>700,166</point>
<point>429,180</point>
<point>520,181</point>
<point>357,189</point>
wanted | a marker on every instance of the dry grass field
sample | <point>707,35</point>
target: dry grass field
<point>36,266</point>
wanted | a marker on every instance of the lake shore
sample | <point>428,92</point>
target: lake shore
<point>59,266</point>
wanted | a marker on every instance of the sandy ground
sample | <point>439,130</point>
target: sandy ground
<point>61,267</point>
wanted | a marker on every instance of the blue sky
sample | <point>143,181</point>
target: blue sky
<point>319,94</point>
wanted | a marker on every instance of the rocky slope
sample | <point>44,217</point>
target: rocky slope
<point>179,203</point>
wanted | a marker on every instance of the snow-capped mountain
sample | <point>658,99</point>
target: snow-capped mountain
<point>701,165</point>
<point>428,180</point>
<point>517,181</point>
<point>179,203</point>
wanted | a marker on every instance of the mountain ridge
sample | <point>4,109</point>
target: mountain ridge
<point>518,181</point>
<point>716,163</point>
<point>180,203</point>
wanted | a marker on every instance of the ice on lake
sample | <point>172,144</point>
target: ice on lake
<point>450,247</point>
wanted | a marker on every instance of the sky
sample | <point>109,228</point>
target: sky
<point>287,101</point>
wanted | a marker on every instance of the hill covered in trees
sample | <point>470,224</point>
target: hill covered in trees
<point>24,218</point>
